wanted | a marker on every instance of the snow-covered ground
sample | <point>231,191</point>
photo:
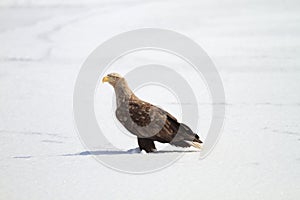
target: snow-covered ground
<point>255,46</point>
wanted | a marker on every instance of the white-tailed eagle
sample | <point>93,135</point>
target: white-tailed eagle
<point>148,122</point>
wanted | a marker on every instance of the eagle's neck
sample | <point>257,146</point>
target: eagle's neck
<point>123,93</point>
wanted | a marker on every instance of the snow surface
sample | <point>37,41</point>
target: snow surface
<point>255,46</point>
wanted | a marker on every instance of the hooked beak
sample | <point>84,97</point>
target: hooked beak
<point>105,79</point>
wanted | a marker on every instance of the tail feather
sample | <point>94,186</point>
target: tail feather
<point>195,144</point>
<point>188,134</point>
<point>197,139</point>
<point>185,137</point>
<point>183,144</point>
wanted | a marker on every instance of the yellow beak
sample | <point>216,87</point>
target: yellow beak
<point>105,79</point>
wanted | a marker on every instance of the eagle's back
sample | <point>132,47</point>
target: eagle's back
<point>148,121</point>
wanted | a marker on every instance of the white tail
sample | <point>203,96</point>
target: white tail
<point>195,144</point>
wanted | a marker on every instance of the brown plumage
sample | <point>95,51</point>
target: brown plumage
<point>148,122</point>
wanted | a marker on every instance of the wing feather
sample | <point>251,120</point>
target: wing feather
<point>149,121</point>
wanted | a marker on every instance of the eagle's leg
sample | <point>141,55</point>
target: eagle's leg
<point>146,144</point>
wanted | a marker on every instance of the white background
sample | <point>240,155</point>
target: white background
<point>255,46</point>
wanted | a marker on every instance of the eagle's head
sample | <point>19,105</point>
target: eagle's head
<point>113,79</point>
<point>120,85</point>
